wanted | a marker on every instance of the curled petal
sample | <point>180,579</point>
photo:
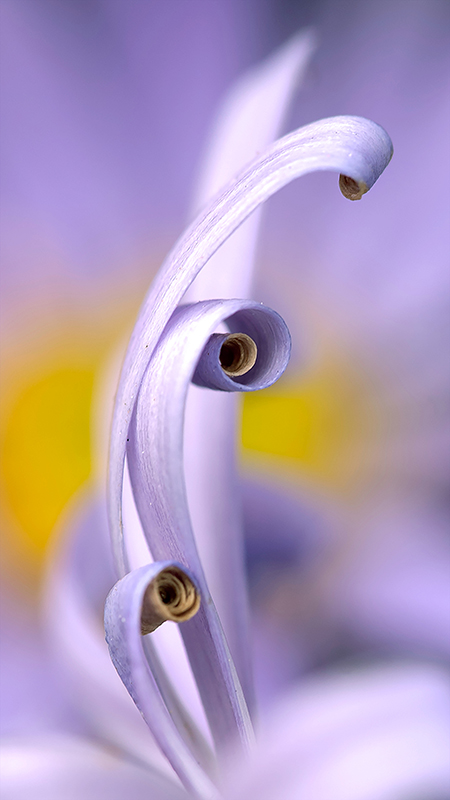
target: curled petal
<point>125,609</point>
<point>166,344</point>
<point>79,579</point>
<point>351,146</point>
<point>170,595</point>
<point>259,350</point>
<point>156,470</point>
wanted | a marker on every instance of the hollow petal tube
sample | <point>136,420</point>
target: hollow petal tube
<point>266,329</point>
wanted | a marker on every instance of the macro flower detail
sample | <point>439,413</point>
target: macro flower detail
<point>170,346</point>
<point>255,605</point>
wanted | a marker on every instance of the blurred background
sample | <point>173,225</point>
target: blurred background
<point>106,109</point>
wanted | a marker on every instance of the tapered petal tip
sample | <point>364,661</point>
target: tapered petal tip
<point>357,148</point>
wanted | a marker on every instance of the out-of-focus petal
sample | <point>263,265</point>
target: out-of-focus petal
<point>66,768</point>
<point>374,734</point>
<point>249,120</point>
<point>392,592</point>
<point>81,573</point>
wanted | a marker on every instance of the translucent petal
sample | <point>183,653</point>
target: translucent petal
<point>62,767</point>
<point>362,734</point>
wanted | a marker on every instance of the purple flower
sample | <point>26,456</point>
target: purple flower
<point>175,518</point>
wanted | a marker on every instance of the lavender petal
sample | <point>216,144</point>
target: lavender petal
<point>271,336</point>
<point>156,471</point>
<point>355,147</point>
<point>354,734</point>
<point>62,766</point>
<point>123,635</point>
<point>352,146</point>
<point>80,576</point>
<point>249,120</point>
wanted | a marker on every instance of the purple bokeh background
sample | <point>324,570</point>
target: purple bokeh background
<point>106,107</point>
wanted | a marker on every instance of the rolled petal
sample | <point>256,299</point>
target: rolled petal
<point>128,608</point>
<point>155,461</point>
<point>253,358</point>
<point>352,146</point>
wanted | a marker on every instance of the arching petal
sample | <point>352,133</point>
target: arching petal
<point>352,146</point>
<point>249,120</point>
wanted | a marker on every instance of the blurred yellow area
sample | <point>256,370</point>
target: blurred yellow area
<point>320,423</point>
<point>313,423</point>
<point>46,447</point>
<point>48,384</point>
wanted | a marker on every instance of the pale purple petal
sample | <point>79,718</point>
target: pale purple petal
<point>352,146</point>
<point>362,734</point>
<point>80,576</point>
<point>249,120</point>
<point>156,470</point>
<point>126,645</point>
<point>348,145</point>
<point>62,767</point>
<point>271,336</point>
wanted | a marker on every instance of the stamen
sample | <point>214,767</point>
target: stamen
<point>169,596</point>
<point>238,354</point>
<point>351,189</point>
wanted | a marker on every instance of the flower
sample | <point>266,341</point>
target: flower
<point>163,513</point>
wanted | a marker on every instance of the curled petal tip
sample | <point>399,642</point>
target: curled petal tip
<point>171,595</point>
<point>351,189</point>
